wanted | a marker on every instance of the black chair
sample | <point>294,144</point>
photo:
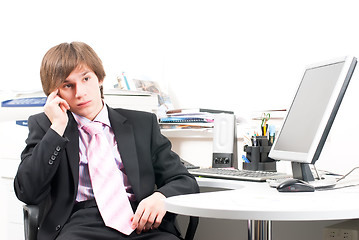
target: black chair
<point>31,221</point>
<point>32,218</point>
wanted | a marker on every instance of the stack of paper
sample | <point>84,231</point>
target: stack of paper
<point>189,118</point>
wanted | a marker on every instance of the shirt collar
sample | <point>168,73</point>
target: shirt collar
<point>102,117</point>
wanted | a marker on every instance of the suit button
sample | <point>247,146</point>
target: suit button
<point>58,227</point>
<point>58,148</point>
<point>51,162</point>
<point>56,153</point>
<point>53,157</point>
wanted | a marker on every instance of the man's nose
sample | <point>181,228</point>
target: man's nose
<point>80,90</point>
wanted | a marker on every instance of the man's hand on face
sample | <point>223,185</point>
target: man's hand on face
<point>55,109</point>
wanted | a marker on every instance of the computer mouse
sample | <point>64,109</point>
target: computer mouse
<point>295,185</point>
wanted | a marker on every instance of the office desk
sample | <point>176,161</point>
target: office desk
<point>260,204</point>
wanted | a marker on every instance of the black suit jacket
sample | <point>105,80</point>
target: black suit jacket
<point>49,168</point>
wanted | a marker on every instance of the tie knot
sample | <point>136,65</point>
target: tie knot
<point>93,128</point>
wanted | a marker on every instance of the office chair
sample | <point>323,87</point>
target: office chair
<point>31,221</point>
<point>32,218</point>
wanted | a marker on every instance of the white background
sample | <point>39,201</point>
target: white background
<point>235,55</point>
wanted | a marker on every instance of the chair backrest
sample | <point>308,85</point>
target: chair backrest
<point>33,216</point>
<point>31,221</point>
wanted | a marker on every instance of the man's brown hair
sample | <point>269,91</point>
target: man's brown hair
<point>62,59</point>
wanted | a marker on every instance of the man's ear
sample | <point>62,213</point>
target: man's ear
<point>100,82</point>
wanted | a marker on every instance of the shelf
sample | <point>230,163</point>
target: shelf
<point>191,133</point>
<point>188,133</point>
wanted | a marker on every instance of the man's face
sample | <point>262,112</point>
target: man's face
<point>81,90</point>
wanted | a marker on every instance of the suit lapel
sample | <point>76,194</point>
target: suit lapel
<point>126,146</point>
<point>72,134</point>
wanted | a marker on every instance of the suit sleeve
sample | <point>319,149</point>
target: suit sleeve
<point>39,162</point>
<point>172,178</point>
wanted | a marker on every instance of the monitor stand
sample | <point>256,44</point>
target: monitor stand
<point>303,172</point>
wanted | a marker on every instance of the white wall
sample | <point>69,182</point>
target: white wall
<point>225,54</point>
<point>229,54</point>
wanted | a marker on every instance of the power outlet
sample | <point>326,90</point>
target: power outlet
<point>348,230</point>
<point>349,235</point>
<point>340,234</point>
<point>331,234</point>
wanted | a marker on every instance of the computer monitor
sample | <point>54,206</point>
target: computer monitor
<point>311,114</point>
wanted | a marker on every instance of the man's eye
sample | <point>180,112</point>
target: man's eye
<point>86,78</point>
<point>67,86</point>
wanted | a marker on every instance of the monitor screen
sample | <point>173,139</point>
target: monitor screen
<point>313,110</point>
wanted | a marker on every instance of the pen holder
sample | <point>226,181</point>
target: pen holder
<point>258,157</point>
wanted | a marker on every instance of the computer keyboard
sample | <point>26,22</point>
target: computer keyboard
<point>188,165</point>
<point>237,174</point>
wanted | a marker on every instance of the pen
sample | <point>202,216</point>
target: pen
<point>254,141</point>
<point>271,131</point>
<point>264,130</point>
<point>264,125</point>
<point>245,159</point>
<point>125,78</point>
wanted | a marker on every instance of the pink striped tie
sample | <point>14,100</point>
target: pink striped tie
<point>107,181</point>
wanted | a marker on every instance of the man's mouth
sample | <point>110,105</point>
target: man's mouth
<point>83,103</point>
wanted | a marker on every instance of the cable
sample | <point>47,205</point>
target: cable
<point>338,180</point>
<point>347,174</point>
<point>346,186</point>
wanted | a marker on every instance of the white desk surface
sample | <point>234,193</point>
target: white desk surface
<point>257,201</point>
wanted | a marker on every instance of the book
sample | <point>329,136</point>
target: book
<point>185,120</point>
<point>195,125</point>
<point>197,110</point>
<point>194,118</point>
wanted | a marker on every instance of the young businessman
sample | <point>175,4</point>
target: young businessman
<point>56,164</point>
